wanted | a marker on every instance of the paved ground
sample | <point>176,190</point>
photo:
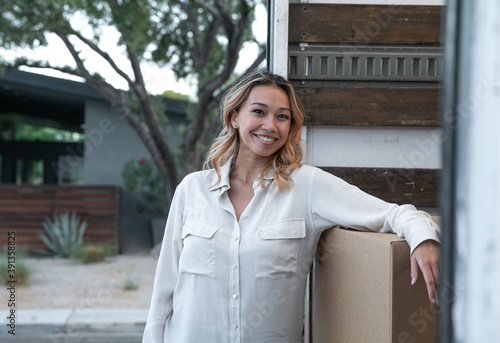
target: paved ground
<point>67,301</point>
<point>74,326</point>
<point>65,283</point>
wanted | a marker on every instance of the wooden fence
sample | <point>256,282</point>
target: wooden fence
<point>23,208</point>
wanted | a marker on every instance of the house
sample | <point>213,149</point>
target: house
<point>96,161</point>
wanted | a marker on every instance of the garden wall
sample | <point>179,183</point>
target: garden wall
<point>23,208</point>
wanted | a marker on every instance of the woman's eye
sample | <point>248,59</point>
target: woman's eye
<point>258,111</point>
<point>284,116</point>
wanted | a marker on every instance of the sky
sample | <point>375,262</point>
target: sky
<point>157,79</point>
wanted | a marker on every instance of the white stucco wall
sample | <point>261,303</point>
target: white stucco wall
<point>110,142</point>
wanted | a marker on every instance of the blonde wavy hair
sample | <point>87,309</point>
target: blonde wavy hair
<point>227,144</point>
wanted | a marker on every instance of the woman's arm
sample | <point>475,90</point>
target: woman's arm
<point>166,272</point>
<point>335,202</point>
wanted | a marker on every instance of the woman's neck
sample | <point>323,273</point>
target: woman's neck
<point>246,169</point>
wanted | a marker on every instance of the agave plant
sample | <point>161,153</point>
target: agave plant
<point>64,234</point>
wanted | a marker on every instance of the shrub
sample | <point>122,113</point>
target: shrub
<point>93,254</point>
<point>64,234</point>
<point>109,249</point>
<point>130,283</point>
<point>144,178</point>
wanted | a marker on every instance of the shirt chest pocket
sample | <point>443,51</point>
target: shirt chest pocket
<point>198,252</point>
<point>277,248</point>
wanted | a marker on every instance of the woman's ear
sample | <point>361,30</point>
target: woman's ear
<point>234,121</point>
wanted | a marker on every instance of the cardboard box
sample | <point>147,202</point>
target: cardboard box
<point>361,291</point>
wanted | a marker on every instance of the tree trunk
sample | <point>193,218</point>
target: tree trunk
<point>165,159</point>
<point>193,158</point>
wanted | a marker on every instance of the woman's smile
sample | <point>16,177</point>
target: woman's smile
<point>266,139</point>
<point>263,122</point>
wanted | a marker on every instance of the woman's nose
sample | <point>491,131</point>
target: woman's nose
<point>270,123</point>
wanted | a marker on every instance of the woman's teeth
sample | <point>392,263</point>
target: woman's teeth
<point>266,139</point>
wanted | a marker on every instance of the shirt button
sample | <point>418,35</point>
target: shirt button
<point>235,296</point>
<point>235,238</point>
<point>256,183</point>
<point>235,326</point>
<point>234,266</point>
<point>245,216</point>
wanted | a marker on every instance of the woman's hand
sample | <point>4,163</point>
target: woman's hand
<point>426,257</point>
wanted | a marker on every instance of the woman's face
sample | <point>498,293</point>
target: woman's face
<point>263,121</point>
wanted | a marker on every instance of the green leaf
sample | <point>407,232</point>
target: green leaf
<point>64,234</point>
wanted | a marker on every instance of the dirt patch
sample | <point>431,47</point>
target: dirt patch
<point>64,283</point>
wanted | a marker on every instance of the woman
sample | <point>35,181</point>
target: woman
<point>240,238</point>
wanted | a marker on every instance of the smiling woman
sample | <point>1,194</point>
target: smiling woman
<point>256,218</point>
<point>257,89</point>
<point>263,122</point>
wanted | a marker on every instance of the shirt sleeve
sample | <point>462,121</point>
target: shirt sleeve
<point>336,202</point>
<point>166,272</point>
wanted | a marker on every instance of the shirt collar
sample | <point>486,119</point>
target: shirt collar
<point>224,177</point>
<point>225,170</point>
<point>269,174</point>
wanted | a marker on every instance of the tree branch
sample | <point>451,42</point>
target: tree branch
<point>213,10</point>
<point>225,17</point>
<point>207,44</point>
<point>79,62</point>
<point>193,28</point>
<point>232,53</point>
<point>260,58</point>
<point>105,56</point>
<point>136,67</point>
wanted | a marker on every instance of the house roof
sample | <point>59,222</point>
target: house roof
<point>56,99</point>
<point>43,96</point>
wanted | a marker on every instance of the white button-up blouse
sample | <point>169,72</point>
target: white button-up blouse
<point>220,280</point>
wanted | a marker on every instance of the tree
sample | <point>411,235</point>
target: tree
<point>194,37</point>
<point>175,95</point>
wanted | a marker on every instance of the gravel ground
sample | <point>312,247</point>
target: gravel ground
<point>64,283</point>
